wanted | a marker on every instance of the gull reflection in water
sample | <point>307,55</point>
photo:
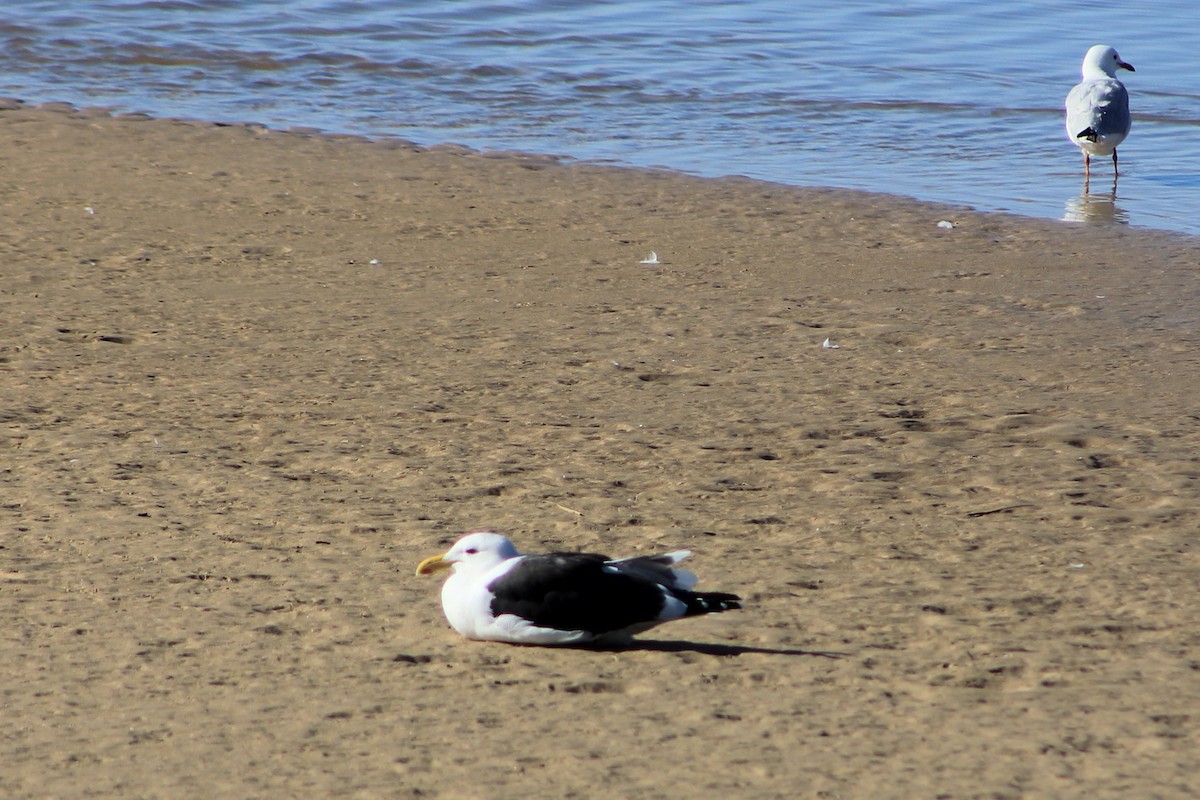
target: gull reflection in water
<point>1096,206</point>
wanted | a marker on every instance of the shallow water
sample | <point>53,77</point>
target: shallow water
<point>937,100</point>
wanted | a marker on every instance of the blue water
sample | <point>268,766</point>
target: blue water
<point>940,100</point>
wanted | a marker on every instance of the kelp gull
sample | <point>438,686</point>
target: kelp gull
<point>496,594</point>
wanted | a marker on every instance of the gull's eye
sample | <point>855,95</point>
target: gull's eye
<point>471,551</point>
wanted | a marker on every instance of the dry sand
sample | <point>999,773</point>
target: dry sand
<point>250,378</point>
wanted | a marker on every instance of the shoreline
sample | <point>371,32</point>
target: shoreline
<point>8,104</point>
<point>255,377</point>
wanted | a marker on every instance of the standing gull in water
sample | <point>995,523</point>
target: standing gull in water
<point>1098,107</point>
<point>496,594</point>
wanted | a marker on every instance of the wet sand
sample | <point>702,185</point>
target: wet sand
<point>252,377</point>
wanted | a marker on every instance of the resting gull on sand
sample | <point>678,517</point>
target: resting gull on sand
<point>496,594</point>
<point>1098,107</point>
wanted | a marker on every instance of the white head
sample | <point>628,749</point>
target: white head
<point>476,552</point>
<point>1102,60</point>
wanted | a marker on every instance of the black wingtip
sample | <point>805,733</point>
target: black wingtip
<point>712,602</point>
<point>1088,134</point>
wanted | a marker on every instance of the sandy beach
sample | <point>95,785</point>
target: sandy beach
<point>252,377</point>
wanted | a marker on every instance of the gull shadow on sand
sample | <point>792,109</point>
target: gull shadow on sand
<point>713,649</point>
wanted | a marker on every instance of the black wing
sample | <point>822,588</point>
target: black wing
<point>576,591</point>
